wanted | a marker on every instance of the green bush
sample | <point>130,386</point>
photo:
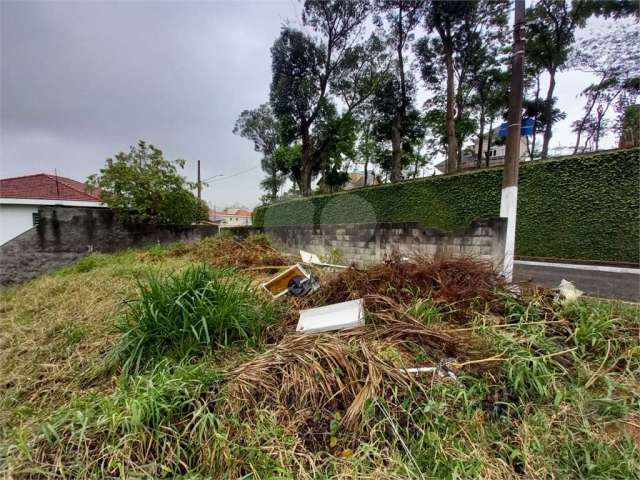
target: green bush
<point>583,207</point>
<point>189,312</point>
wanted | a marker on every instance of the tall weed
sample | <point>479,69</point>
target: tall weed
<point>187,313</point>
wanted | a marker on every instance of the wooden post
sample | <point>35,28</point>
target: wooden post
<point>199,183</point>
<point>509,198</point>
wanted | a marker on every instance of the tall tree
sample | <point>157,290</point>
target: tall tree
<point>261,127</point>
<point>304,70</point>
<point>613,57</point>
<point>401,17</point>
<point>461,28</point>
<point>552,25</point>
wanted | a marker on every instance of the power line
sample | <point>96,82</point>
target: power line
<point>241,172</point>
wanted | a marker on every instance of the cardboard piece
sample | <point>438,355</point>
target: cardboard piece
<point>279,285</point>
<point>332,317</point>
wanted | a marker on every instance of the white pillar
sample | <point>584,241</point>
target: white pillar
<point>508,209</point>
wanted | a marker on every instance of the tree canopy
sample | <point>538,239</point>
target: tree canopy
<point>141,186</point>
<point>345,86</point>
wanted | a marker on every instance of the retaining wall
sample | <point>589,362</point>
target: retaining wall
<point>65,234</point>
<point>365,244</point>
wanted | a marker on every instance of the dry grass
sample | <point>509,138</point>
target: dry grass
<point>332,405</point>
<point>454,283</point>
<point>227,251</point>
<point>308,378</point>
<point>55,332</point>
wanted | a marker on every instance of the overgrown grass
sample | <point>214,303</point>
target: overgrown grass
<point>190,312</point>
<point>149,425</point>
<point>558,397</point>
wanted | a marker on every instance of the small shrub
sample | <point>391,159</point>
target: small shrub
<point>186,313</point>
<point>593,328</point>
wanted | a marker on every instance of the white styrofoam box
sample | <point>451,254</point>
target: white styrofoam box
<point>332,317</point>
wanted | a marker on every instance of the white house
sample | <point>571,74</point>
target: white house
<point>231,217</point>
<point>20,198</point>
<point>495,155</point>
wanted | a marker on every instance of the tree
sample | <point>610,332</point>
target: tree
<point>613,57</point>
<point>401,17</point>
<point>536,109</point>
<point>462,29</point>
<point>304,71</point>
<point>261,127</point>
<point>141,186</point>
<point>552,25</point>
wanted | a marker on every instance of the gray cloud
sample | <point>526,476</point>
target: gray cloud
<point>81,81</point>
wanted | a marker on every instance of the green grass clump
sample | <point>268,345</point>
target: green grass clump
<point>148,426</point>
<point>188,313</point>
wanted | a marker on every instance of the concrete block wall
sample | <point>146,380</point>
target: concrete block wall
<point>369,243</point>
<point>65,234</point>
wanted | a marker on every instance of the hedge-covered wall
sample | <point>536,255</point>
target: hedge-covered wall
<point>582,207</point>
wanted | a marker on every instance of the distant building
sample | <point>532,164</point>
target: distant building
<point>231,217</point>
<point>356,180</point>
<point>20,198</point>
<point>495,155</point>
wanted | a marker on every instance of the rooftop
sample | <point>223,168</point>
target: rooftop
<point>232,212</point>
<point>45,186</point>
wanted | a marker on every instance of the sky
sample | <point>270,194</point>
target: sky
<point>81,81</point>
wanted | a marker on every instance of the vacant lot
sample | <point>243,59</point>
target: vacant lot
<point>169,363</point>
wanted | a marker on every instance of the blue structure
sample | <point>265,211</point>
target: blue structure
<point>526,127</point>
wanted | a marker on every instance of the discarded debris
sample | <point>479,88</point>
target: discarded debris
<point>567,292</point>
<point>294,280</point>
<point>449,282</point>
<point>308,257</point>
<point>332,317</point>
<point>443,369</point>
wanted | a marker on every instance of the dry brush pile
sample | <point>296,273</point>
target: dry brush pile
<point>520,385</point>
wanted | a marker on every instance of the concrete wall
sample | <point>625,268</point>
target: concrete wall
<point>365,244</point>
<point>65,234</point>
<point>14,220</point>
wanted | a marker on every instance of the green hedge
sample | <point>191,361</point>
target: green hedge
<point>583,207</point>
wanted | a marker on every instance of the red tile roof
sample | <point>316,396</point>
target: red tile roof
<point>44,186</point>
<point>232,212</point>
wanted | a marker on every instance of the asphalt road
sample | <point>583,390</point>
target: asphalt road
<point>595,280</point>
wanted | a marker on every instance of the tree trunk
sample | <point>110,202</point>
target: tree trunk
<point>274,185</point>
<point>535,120</point>
<point>307,164</point>
<point>396,150</point>
<point>489,139</point>
<point>548,111</point>
<point>481,137</point>
<point>366,154</point>
<point>452,141</point>
<point>398,120</point>
<point>366,164</point>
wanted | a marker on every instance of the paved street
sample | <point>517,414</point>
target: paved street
<point>596,280</point>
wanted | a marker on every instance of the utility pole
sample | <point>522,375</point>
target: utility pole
<point>509,198</point>
<point>199,183</point>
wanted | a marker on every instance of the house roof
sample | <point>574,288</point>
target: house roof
<point>233,212</point>
<point>45,186</point>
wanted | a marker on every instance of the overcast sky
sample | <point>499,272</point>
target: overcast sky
<point>81,81</point>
